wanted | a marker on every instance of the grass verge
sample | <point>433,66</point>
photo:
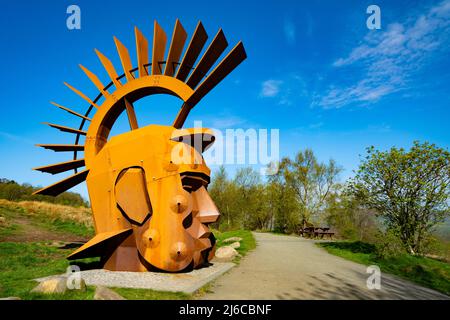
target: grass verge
<point>248,241</point>
<point>20,263</point>
<point>428,272</point>
<point>49,216</point>
<point>146,294</point>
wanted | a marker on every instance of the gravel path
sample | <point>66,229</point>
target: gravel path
<point>286,267</point>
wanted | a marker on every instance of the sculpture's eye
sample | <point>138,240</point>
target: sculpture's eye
<point>132,196</point>
<point>192,181</point>
<point>198,138</point>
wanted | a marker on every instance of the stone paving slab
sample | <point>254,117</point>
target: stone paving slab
<point>188,282</point>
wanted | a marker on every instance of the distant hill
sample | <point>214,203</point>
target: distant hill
<point>12,191</point>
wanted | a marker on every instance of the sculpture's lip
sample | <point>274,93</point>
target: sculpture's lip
<point>150,267</point>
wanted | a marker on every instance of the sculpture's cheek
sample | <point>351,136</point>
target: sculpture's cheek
<point>151,238</point>
<point>179,251</point>
<point>163,242</point>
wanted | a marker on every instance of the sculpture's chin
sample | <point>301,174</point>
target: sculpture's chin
<point>150,267</point>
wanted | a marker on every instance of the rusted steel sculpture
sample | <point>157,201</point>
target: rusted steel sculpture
<point>147,187</point>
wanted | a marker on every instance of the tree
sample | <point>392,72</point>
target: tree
<point>242,201</point>
<point>251,199</point>
<point>282,205</point>
<point>223,192</point>
<point>11,190</point>
<point>350,218</point>
<point>311,182</point>
<point>408,189</point>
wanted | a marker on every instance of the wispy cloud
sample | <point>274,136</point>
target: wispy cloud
<point>286,91</point>
<point>222,120</point>
<point>270,88</point>
<point>388,59</point>
<point>289,31</point>
<point>316,125</point>
<point>13,137</point>
<point>227,122</point>
<point>379,128</point>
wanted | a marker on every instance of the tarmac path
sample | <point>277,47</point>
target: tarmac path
<point>288,267</point>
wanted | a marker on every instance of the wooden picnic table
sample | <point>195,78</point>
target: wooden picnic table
<point>316,232</point>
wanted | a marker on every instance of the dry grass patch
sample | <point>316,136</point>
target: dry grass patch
<point>53,212</point>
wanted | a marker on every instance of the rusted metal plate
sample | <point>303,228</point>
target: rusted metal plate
<point>63,185</point>
<point>70,111</point>
<point>62,147</point>
<point>125,59</point>
<point>109,67</point>
<point>228,64</point>
<point>132,120</point>
<point>181,116</point>
<point>212,53</point>
<point>101,243</point>
<point>159,48</point>
<point>142,52</point>
<point>176,47</point>
<point>66,129</point>
<point>207,210</point>
<point>62,166</point>
<point>196,44</point>
<point>132,195</point>
<point>95,80</point>
<point>81,94</point>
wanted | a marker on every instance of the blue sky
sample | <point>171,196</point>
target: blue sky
<point>313,70</point>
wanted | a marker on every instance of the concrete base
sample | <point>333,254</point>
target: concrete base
<point>188,282</point>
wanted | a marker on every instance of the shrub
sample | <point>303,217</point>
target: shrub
<point>388,245</point>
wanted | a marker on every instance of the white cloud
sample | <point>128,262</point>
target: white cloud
<point>270,88</point>
<point>388,59</point>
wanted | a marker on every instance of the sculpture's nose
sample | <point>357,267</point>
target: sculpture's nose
<point>207,210</point>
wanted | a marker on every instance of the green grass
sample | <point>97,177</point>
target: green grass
<point>428,272</point>
<point>41,221</point>
<point>146,294</point>
<point>8,228</point>
<point>65,227</point>
<point>20,263</point>
<point>248,241</point>
<point>9,213</point>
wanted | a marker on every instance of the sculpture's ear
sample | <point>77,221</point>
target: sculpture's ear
<point>199,138</point>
